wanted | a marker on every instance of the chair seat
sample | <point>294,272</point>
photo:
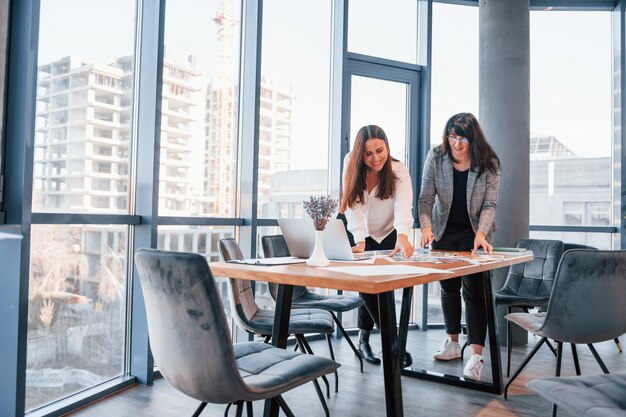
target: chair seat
<point>267,369</point>
<point>336,303</point>
<point>301,321</point>
<point>506,297</point>
<point>530,322</point>
<point>588,396</point>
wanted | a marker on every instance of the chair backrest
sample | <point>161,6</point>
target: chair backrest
<point>275,246</point>
<point>587,301</point>
<point>534,279</point>
<point>568,246</point>
<point>188,331</point>
<point>242,297</point>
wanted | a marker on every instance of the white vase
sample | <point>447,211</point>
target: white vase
<point>318,257</point>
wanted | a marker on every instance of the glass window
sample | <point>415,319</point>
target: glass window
<point>4,22</point>
<point>603,241</point>
<point>82,125</point>
<point>76,309</point>
<point>367,94</point>
<point>384,29</point>
<point>454,87</point>
<point>294,107</point>
<point>198,239</point>
<point>454,82</point>
<point>571,118</point>
<point>199,108</point>
<point>573,214</point>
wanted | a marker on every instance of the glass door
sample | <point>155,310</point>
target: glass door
<point>384,93</point>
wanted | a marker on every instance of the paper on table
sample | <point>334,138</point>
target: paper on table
<point>361,261</point>
<point>366,271</point>
<point>281,260</point>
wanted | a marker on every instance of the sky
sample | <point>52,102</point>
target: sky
<point>570,60</point>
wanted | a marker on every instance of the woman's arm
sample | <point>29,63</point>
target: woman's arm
<point>356,224</point>
<point>490,203</point>
<point>403,210</point>
<point>426,200</point>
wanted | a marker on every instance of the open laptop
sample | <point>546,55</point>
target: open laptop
<point>299,235</point>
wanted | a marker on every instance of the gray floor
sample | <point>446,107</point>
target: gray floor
<point>363,394</point>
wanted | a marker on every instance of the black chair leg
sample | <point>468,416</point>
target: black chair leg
<point>307,349</point>
<point>320,395</point>
<point>559,358</point>
<point>200,408</point>
<point>267,338</point>
<point>249,410</point>
<point>225,411</point>
<point>509,344</point>
<point>239,412</point>
<point>598,359</point>
<point>523,364</point>
<point>554,408</point>
<point>332,356</point>
<point>618,344</point>
<point>345,335</point>
<point>575,356</point>
<point>281,402</point>
<point>552,348</point>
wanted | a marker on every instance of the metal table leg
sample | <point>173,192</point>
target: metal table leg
<point>391,357</point>
<point>280,332</point>
<point>494,387</point>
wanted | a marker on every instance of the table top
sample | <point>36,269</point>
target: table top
<point>321,277</point>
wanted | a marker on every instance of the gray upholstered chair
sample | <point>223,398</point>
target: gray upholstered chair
<point>275,246</point>
<point>255,320</point>
<point>529,284</point>
<point>588,396</point>
<point>191,342</point>
<point>586,305</point>
<point>568,246</point>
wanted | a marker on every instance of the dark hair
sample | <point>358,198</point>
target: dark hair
<point>482,155</point>
<point>355,181</point>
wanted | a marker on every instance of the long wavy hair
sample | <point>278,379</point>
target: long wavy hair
<point>482,155</point>
<point>355,181</point>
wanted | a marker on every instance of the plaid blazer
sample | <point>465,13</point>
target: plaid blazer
<point>436,194</point>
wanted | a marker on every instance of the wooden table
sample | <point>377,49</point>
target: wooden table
<point>393,341</point>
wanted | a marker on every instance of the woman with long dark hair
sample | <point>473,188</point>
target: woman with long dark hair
<point>457,211</point>
<point>377,201</point>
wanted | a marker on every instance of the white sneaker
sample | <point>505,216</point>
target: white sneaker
<point>449,350</point>
<point>473,367</point>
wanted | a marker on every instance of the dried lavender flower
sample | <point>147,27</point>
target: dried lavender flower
<point>320,209</point>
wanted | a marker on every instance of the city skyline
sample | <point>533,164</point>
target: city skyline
<point>577,31</point>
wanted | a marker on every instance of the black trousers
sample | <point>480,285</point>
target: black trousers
<point>368,312</point>
<point>473,293</point>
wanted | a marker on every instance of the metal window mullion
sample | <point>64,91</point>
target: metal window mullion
<point>619,121</point>
<point>199,221</point>
<point>250,86</point>
<point>339,45</point>
<point>146,127</point>
<point>84,218</point>
<point>18,158</point>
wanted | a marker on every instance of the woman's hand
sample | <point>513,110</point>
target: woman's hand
<point>359,247</point>
<point>481,241</point>
<point>402,244</point>
<point>427,237</point>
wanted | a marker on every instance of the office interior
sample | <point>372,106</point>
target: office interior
<point>172,124</point>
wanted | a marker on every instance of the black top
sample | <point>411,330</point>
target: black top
<point>458,221</point>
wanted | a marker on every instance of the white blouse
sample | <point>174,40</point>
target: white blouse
<point>377,218</point>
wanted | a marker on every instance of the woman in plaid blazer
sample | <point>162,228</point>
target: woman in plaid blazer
<point>457,211</point>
